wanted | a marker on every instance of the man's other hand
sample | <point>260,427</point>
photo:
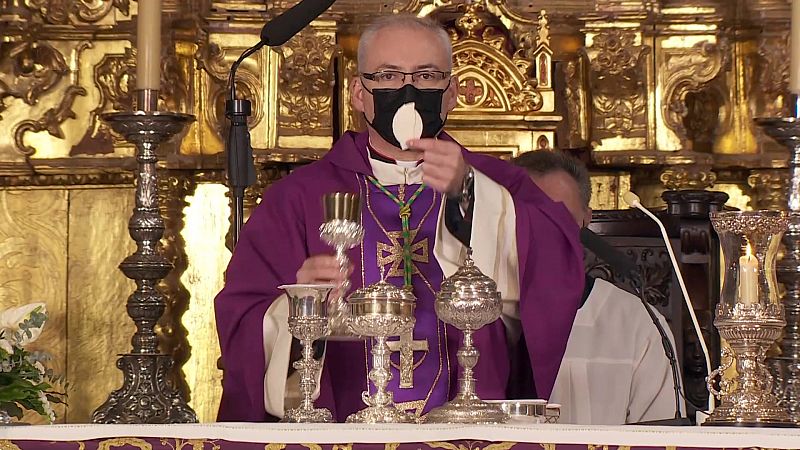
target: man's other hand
<point>323,269</point>
<point>444,167</point>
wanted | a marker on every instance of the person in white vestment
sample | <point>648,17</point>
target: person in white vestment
<point>615,370</point>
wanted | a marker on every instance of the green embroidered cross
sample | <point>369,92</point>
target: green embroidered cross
<point>405,216</point>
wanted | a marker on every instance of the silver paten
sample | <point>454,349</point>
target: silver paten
<point>308,321</point>
<point>381,310</point>
<point>468,300</point>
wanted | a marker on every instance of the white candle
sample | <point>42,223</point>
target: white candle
<point>794,55</point>
<point>148,45</point>
<point>748,278</point>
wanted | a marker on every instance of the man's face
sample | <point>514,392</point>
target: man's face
<point>406,50</point>
<point>561,187</point>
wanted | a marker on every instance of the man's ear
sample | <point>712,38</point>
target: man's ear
<point>588,217</point>
<point>451,94</point>
<point>357,94</point>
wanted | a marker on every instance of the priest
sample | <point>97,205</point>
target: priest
<point>420,191</point>
<point>615,370</point>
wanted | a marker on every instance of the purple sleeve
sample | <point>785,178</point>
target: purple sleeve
<point>551,268</point>
<point>271,249</point>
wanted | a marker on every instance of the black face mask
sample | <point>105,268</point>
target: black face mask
<point>427,102</point>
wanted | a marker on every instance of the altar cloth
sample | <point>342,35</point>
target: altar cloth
<point>519,436</point>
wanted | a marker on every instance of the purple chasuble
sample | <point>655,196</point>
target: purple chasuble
<point>284,230</point>
<point>383,255</point>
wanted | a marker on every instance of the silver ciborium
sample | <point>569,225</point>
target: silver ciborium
<point>381,310</point>
<point>749,317</point>
<point>468,300</point>
<point>308,321</point>
<point>341,230</point>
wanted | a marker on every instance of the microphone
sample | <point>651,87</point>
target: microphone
<point>627,268</point>
<point>609,254</point>
<point>241,171</point>
<point>633,201</point>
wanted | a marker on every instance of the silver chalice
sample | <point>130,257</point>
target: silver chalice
<point>381,310</point>
<point>468,300</point>
<point>341,230</point>
<point>308,321</point>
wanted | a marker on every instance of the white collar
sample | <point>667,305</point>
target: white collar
<point>403,172</point>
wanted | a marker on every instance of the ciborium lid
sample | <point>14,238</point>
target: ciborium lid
<point>382,291</point>
<point>382,298</point>
<point>468,282</point>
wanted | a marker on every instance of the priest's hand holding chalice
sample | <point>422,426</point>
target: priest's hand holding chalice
<point>341,230</point>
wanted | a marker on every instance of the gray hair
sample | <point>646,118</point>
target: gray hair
<point>408,21</point>
<point>542,162</point>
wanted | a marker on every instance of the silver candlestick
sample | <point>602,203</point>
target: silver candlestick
<point>749,316</point>
<point>146,396</point>
<point>468,300</point>
<point>786,367</point>
<point>381,310</point>
<point>341,230</point>
<point>308,321</point>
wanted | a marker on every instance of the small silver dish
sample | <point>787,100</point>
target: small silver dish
<point>530,411</point>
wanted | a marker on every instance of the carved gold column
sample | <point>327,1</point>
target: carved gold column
<point>172,192</point>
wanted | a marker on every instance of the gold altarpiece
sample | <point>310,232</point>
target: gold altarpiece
<point>655,95</point>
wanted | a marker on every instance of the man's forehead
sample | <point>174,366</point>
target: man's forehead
<point>386,52</point>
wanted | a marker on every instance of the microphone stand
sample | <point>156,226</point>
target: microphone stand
<point>241,171</point>
<point>669,351</point>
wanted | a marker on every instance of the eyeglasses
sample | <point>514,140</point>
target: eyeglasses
<point>423,79</point>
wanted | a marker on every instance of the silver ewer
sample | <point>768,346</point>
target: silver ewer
<point>468,300</point>
<point>341,230</point>
<point>308,321</point>
<point>381,310</point>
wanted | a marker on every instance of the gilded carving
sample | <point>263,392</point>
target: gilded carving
<point>50,121</point>
<point>617,84</point>
<point>28,70</point>
<point>68,179</point>
<point>770,189</point>
<point>691,103</point>
<point>773,77</point>
<point>688,177</point>
<point>575,99</point>
<point>489,79</point>
<point>62,11</point>
<point>173,190</point>
<point>306,80</point>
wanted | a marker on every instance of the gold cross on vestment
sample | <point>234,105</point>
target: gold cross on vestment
<point>393,253</point>
<point>407,346</point>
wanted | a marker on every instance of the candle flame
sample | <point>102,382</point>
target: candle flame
<point>748,251</point>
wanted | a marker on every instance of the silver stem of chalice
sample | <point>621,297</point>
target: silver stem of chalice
<point>341,230</point>
<point>308,321</point>
<point>380,310</point>
<point>468,300</point>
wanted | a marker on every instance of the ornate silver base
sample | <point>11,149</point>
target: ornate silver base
<point>467,409</point>
<point>381,414</point>
<point>302,415</point>
<point>145,395</point>
<point>747,399</point>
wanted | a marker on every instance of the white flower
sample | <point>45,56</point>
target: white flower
<point>5,344</point>
<point>51,415</point>
<point>11,320</point>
